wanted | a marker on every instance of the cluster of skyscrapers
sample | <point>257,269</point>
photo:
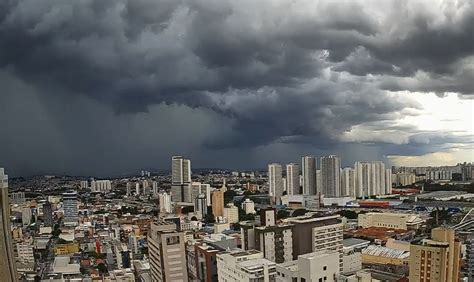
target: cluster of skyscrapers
<point>365,179</point>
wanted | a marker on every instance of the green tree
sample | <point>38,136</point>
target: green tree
<point>348,214</point>
<point>102,268</point>
<point>187,209</point>
<point>209,218</point>
<point>281,214</point>
<point>299,212</point>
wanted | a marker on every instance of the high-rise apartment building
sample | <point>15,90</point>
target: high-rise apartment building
<point>165,202</point>
<point>312,233</point>
<point>275,242</point>
<point>275,182</point>
<point>371,179</point>
<point>292,179</point>
<point>436,260</point>
<point>48,214</point>
<point>8,270</point>
<point>308,169</point>
<point>180,170</point>
<point>181,180</point>
<point>70,203</point>
<point>388,181</point>
<point>198,188</point>
<point>217,203</point>
<point>167,253</point>
<point>348,182</point>
<point>331,176</point>
<point>101,185</point>
<point>200,205</point>
<point>319,184</point>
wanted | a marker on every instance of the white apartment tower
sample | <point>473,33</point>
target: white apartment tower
<point>348,182</point>
<point>180,170</point>
<point>370,179</point>
<point>308,169</point>
<point>388,181</point>
<point>165,202</point>
<point>275,181</point>
<point>292,179</point>
<point>330,176</point>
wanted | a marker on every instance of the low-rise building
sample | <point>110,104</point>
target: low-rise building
<point>402,221</point>
<point>374,254</point>
<point>316,266</point>
<point>239,265</point>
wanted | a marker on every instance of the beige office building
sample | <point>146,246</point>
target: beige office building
<point>167,253</point>
<point>217,198</point>
<point>7,262</point>
<point>436,260</point>
<point>389,220</point>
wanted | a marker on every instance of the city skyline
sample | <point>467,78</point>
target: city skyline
<point>107,88</point>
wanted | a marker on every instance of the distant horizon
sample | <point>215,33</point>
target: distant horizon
<point>125,174</point>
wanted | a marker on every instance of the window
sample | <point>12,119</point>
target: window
<point>325,267</point>
<point>172,240</point>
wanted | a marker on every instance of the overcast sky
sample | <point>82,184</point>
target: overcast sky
<point>115,86</point>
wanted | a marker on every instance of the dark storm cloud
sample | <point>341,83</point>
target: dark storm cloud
<point>275,71</point>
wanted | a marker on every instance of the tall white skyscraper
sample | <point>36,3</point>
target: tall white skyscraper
<point>181,179</point>
<point>318,181</point>
<point>331,176</point>
<point>370,178</point>
<point>348,182</point>
<point>165,202</point>
<point>292,179</point>
<point>180,170</point>
<point>275,181</point>
<point>388,181</point>
<point>309,175</point>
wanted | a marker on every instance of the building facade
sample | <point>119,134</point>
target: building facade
<point>181,179</point>
<point>167,253</point>
<point>436,260</point>
<point>238,265</point>
<point>8,270</point>
<point>275,181</point>
<point>275,242</point>
<point>292,179</point>
<point>217,204</point>
<point>313,233</point>
<point>308,169</point>
<point>331,176</point>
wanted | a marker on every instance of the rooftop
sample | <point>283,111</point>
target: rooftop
<point>352,242</point>
<point>375,250</point>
